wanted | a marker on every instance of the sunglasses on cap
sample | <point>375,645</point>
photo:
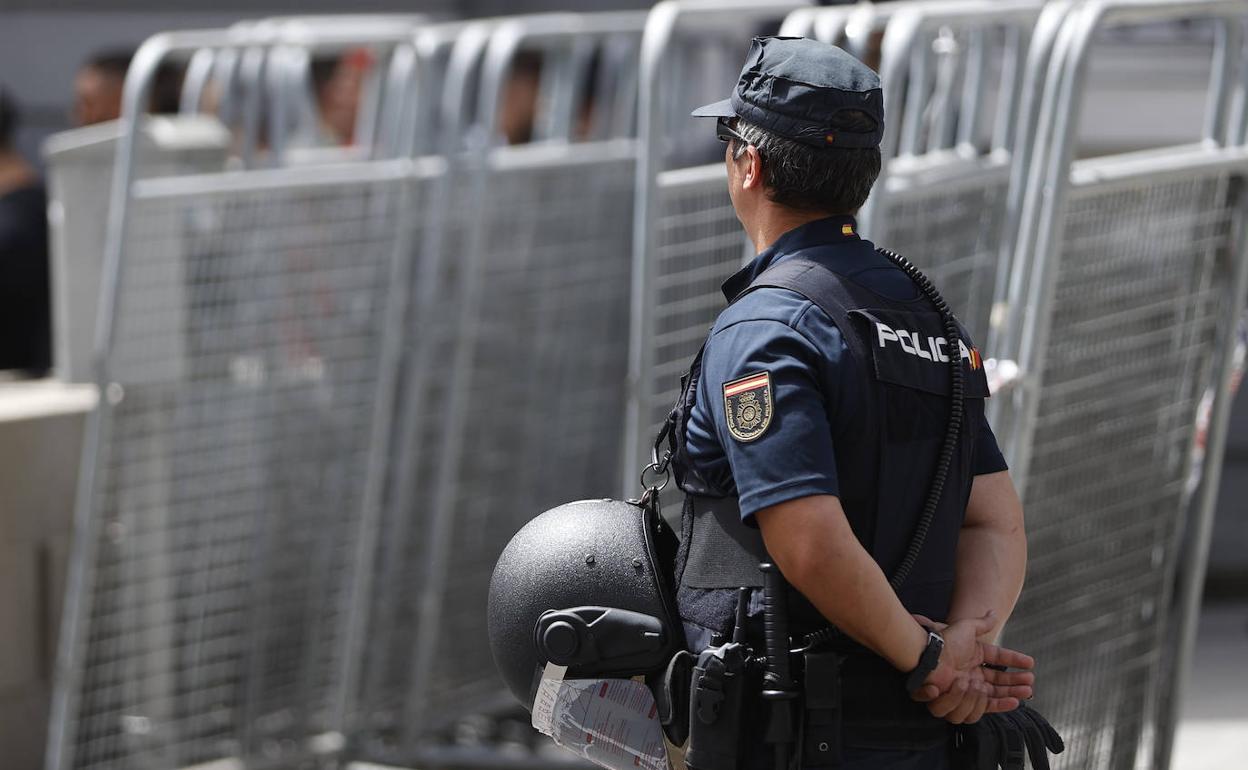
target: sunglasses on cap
<point>725,133</point>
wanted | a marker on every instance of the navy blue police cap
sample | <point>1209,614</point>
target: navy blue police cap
<point>795,87</point>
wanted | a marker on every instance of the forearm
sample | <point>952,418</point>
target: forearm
<point>830,568</point>
<point>852,592</point>
<point>991,564</point>
<point>991,559</point>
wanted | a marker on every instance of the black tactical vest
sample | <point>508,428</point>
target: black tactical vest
<point>901,352</point>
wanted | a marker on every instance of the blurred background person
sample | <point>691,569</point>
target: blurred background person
<point>100,80</point>
<point>98,86</point>
<point>339,84</point>
<point>518,112</point>
<point>25,313</point>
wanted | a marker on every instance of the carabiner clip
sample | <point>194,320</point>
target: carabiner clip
<point>660,471</point>
<point>660,465</point>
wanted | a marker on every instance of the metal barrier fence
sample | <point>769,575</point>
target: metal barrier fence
<point>686,237</point>
<point>522,304</point>
<point>1130,275</point>
<point>232,471</point>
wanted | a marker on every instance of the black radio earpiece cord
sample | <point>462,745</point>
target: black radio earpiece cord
<point>953,431</point>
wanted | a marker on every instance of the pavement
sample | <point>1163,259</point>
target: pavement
<point>1213,734</point>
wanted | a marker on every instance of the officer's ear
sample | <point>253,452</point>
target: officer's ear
<point>752,168</point>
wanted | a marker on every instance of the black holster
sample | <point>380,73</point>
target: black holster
<point>717,696</point>
<point>671,695</point>
<point>822,717</point>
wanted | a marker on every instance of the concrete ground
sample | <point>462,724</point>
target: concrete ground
<point>1214,731</point>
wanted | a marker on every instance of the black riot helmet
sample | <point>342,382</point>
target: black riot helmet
<point>586,585</point>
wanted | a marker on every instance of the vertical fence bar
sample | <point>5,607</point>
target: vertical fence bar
<point>80,579</point>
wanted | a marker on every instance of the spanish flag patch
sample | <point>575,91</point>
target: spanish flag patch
<point>748,406</point>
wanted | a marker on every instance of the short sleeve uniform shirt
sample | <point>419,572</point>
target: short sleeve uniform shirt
<point>816,440</point>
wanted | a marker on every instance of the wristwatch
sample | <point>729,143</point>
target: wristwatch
<point>927,661</point>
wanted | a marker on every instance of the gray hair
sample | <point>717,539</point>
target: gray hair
<point>831,180</point>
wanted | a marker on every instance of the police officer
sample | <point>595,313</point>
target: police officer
<point>810,430</point>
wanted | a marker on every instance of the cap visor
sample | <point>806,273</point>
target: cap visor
<point>720,109</point>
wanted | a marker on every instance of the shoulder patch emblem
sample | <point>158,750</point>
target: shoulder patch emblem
<point>747,406</point>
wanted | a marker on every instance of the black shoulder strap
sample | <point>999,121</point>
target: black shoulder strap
<point>815,282</point>
<point>819,284</point>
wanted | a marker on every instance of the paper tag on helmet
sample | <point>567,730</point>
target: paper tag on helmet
<point>546,698</point>
<point>613,723</point>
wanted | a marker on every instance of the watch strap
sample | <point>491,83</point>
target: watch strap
<point>927,661</point>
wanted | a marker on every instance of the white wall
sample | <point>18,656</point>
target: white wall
<point>41,426</point>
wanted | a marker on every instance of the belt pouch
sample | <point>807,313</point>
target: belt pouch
<point>716,699</point>
<point>672,697</point>
<point>821,733</point>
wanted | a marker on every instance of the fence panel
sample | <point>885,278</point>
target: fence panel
<point>1137,271</point>
<point>230,477</point>
<point>514,390</point>
<point>543,409</point>
<point>1137,307</point>
<point>247,364</point>
<point>540,371</point>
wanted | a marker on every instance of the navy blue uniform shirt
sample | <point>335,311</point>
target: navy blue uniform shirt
<point>817,441</point>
